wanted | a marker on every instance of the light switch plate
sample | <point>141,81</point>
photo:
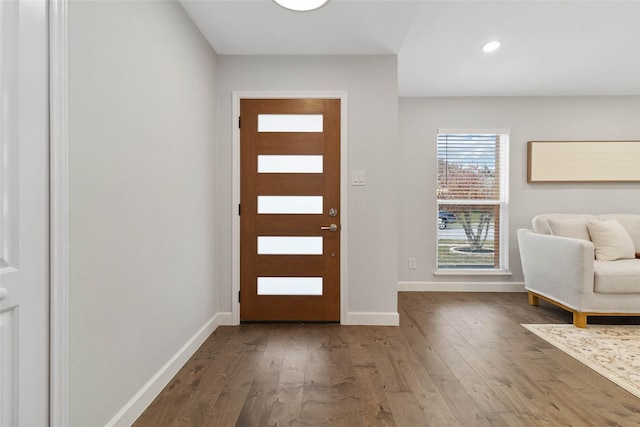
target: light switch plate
<point>358,178</point>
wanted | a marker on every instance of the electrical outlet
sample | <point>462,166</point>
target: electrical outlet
<point>412,263</point>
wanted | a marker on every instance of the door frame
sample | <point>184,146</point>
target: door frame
<point>58,210</point>
<point>235,179</point>
<point>59,214</point>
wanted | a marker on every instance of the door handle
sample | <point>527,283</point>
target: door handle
<point>332,227</point>
<point>3,293</point>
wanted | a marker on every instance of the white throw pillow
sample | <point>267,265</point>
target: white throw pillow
<point>611,240</point>
<point>572,227</point>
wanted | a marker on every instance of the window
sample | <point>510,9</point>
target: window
<point>473,196</point>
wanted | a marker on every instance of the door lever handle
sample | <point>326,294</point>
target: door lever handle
<point>3,293</point>
<point>332,227</point>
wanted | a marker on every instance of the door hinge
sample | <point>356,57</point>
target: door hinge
<point>239,122</point>
<point>239,296</point>
<point>239,209</point>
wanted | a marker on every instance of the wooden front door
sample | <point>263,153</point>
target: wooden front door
<point>290,210</point>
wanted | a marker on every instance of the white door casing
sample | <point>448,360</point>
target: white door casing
<point>24,214</point>
<point>344,161</point>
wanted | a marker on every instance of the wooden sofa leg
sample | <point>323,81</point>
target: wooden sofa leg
<point>579,320</point>
<point>533,299</point>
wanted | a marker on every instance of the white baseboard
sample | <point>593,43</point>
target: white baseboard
<point>372,319</point>
<point>225,318</point>
<point>461,286</point>
<point>143,398</point>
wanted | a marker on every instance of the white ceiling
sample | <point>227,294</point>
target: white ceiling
<point>568,47</point>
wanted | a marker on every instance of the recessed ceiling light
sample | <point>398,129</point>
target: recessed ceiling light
<point>491,46</point>
<point>301,5</point>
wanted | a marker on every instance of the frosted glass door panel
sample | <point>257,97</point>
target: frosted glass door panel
<point>289,285</point>
<point>290,164</point>
<point>289,245</point>
<point>290,204</point>
<point>290,122</point>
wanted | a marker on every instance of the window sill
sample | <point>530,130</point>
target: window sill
<point>471,272</point>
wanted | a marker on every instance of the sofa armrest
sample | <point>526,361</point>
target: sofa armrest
<point>557,267</point>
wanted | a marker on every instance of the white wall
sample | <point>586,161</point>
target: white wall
<point>142,197</point>
<point>372,228</point>
<point>529,118</point>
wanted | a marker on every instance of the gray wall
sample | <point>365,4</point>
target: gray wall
<point>371,83</point>
<point>529,118</point>
<point>142,197</point>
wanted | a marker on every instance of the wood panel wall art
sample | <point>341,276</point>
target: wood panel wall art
<point>583,161</point>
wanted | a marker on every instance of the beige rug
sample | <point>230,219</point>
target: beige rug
<point>611,351</point>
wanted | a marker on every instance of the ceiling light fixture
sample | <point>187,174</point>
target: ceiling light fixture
<point>301,5</point>
<point>491,46</point>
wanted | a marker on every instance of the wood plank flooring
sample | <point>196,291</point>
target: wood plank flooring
<point>457,359</point>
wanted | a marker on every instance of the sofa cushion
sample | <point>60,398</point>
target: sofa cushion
<point>617,277</point>
<point>631,223</point>
<point>540,223</point>
<point>570,227</point>
<point>611,240</point>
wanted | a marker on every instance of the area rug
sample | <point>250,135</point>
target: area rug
<point>611,351</point>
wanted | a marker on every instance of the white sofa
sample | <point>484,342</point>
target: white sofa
<point>587,264</point>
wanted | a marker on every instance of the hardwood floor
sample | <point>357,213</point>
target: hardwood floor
<point>457,359</point>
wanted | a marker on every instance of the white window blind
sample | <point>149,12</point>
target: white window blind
<point>472,197</point>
